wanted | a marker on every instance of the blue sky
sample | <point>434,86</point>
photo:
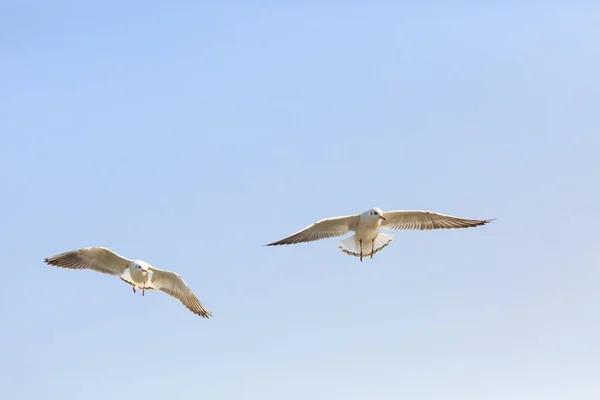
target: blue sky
<point>189,135</point>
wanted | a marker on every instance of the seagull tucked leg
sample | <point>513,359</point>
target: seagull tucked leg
<point>372,247</point>
<point>360,242</point>
<point>143,287</point>
<point>133,287</point>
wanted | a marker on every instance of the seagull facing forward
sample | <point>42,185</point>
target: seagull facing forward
<point>137,273</point>
<point>367,240</point>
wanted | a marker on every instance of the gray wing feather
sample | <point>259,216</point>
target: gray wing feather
<point>174,285</point>
<point>427,220</point>
<point>98,259</point>
<point>323,229</point>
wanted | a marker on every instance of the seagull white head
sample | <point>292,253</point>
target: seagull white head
<point>373,215</point>
<point>140,266</point>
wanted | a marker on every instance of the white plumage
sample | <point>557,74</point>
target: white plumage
<point>367,239</point>
<point>139,274</point>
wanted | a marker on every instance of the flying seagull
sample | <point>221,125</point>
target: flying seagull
<point>137,273</point>
<point>367,239</point>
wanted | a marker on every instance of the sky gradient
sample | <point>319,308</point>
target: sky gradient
<point>188,135</point>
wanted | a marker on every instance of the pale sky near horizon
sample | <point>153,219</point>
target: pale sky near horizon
<point>189,134</point>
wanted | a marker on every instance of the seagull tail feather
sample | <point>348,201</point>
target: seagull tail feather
<point>351,246</point>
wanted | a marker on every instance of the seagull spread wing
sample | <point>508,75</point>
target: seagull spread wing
<point>323,229</point>
<point>98,259</point>
<point>173,285</point>
<point>426,220</point>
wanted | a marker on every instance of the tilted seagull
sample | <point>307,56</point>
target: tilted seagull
<point>367,240</point>
<point>137,273</point>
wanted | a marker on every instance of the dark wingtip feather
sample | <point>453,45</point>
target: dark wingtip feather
<point>51,261</point>
<point>199,309</point>
<point>280,242</point>
<point>485,222</point>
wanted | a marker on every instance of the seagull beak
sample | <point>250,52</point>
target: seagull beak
<point>382,217</point>
<point>144,272</point>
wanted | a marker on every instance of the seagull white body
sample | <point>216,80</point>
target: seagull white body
<point>139,274</point>
<point>367,239</point>
<point>363,241</point>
